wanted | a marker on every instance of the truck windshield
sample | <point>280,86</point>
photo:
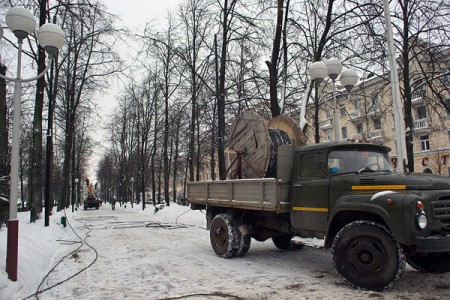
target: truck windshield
<point>358,161</point>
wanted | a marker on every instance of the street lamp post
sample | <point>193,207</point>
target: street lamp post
<point>22,23</point>
<point>395,93</point>
<point>76,190</point>
<point>333,67</point>
<point>132,190</point>
<point>142,188</point>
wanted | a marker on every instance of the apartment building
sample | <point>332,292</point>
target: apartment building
<point>367,113</point>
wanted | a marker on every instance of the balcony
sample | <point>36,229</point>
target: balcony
<point>417,97</point>
<point>376,135</point>
<point>327,124</point>
<point>374,111</point>
<point>421,126</point>
<point>355,115</point>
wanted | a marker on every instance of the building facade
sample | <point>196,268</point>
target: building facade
<point>367,113</point>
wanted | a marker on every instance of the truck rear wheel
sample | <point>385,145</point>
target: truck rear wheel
<point>366,255</point>
<point>245,240</point>
<point>282,242</point>
<point>224,236</point>
<point>430,262</point>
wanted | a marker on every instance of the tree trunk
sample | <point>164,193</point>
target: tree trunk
<point>407,92</point>
<point>4,157</point>
<point>221,99</point>
<point>166,131</point>
<point>273,64</point>
<point>35,180</point>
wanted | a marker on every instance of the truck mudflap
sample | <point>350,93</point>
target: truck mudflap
<point>433,244</point>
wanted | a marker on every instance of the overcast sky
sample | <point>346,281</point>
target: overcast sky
<point>134,14</point>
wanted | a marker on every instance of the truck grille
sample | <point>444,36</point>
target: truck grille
<point>441,209</point>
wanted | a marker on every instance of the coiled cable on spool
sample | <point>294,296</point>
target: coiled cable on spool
<point>276,139</point>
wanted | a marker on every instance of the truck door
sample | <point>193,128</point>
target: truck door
<point>309,192</point>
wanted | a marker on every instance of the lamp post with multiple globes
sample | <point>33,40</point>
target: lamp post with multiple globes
<point>50,37</point>
<point>333,68</point>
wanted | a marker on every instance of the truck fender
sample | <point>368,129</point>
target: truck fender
<point>368,207</point>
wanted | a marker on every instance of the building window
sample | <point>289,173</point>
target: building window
<point>424,143</point>
<point>375,103</point>
<point>377,123</point>
<point>447,104</point>
<point>329,114</point>
<point>343,112</point>
<point>428,171</point>
<point>446,76</point>
<point>357,104</point>
<point>359,128</point>
<point>344,132</point>
<point>421,112</point>
<point>329,134</point>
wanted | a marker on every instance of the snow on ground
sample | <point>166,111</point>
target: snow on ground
<point>128,253</point>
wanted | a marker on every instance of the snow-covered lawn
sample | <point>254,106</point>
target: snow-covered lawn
<point>133,254</point>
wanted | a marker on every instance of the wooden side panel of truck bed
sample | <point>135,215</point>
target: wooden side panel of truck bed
<point>268,194</point>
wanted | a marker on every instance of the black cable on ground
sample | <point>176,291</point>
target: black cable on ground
<point>215,294</point>
<point>82,242</point>
<point>176,220</point>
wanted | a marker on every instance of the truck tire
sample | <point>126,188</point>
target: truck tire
<point>245,240</point>
<point>282,242</point>
<point>430,262</point>
<point>224,236</point>
<point>366,255</point>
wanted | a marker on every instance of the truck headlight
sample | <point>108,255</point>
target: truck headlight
<point>421,221</point>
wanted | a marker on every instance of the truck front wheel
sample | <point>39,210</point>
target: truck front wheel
<point>224,236</point>
<point>430,262</point>
<point>368,256</point>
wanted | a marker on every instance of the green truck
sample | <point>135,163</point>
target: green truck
<point>374,219</point>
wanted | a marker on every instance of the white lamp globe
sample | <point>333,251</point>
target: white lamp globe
<point>348,79</point>
<point>334,68</point>
<point>318,71</point>
<point>20,21</point>
<point>51,38</point>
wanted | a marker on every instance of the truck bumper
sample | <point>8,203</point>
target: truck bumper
<point>433,244</point>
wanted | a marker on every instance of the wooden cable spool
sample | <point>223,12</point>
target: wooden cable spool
<point>253,142</point>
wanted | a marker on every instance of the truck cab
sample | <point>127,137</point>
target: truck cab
<point>323,173</point>
<point>372,218</point>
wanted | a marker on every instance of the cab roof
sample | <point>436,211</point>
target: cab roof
<point>342,145</point>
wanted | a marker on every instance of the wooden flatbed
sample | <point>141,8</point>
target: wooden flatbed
<point>268,194</point>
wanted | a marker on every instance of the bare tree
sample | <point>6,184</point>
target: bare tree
<point>88,61</point>
<point>417,24</point>
<point>282,13</point>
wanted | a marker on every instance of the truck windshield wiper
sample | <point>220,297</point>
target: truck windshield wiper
<point>365,169</point>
